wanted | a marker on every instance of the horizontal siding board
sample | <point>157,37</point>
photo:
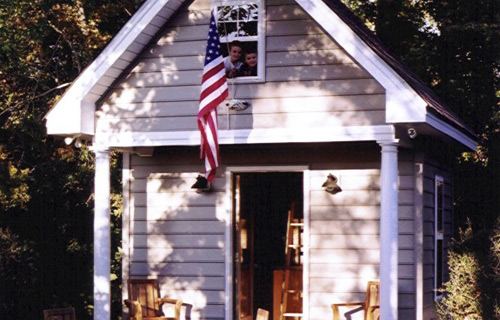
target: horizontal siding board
<point>349,197</point>
<point>343,285</point>
<point>299,43</point>
<point>161,199</point>
<point>162,241</point>
<point>356,198</point>
<point>291,27</point>
<point>242,121</point>
<point>373,102</point>
<point>177,49</point>
<point>244,91</point>
<point>286,12</point>
<point>315,72</point>
<point>354,227</point>
<point>343,271</point>
<point>170,64</point>
<point>344,212</point>
<point>165,183</point>
<point>178,227</point>
<point>342,256</point>
<point>173,269</point>
<point>176,213</point>
<point>198,298</point>
<point>185,33</point>
<point>310,57</point>
<point>192,283</point>
<point>162,255</point>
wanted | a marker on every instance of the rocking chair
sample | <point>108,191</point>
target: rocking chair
<point>371,306</point>
<point>144,301</point>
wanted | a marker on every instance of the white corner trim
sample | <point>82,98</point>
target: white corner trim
<point>399,93</point>
<point>451,131</point>
<point>302,135</point>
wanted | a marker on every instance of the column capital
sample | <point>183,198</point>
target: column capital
<point>388,143</point>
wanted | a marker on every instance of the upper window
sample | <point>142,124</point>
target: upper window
<point>438,235</point>
<point>242,39</point>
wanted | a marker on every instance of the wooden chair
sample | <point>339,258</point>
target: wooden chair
<point>144,301</point>
<point>262,314</point>
<point>59,314</point>
<point>371,306</point>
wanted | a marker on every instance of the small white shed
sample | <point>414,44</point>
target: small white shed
<point>327,98</point>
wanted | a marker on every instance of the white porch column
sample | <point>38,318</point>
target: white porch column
<point>389,231</point>
<point>102,237</point>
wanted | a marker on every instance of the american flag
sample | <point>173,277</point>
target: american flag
<point>213,92</point>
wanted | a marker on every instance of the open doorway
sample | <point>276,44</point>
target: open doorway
<point>268,216</point>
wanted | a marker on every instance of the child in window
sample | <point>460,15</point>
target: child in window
<point>232,62</point>
<point>249,68</point>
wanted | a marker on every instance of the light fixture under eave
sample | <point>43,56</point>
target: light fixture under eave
<point>78,143</point>
<point>201,184</point>
<point>68,140</point>
<point>331,184</point>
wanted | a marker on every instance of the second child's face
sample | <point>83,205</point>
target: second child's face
<point>251,59</point>
<point>235,53</point>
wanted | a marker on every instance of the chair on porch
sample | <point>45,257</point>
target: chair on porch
<point>262,314</point>
<point>144,301</point>
<point>59,314</point>
<point>371,306</point>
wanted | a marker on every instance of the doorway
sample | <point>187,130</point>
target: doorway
<point>263,203</point>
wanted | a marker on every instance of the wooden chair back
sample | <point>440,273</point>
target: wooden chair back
<point>262,314</point>
<point>372,300</point>
<point>59,314</point>
<point>146,292</point>
<point>370,307</point>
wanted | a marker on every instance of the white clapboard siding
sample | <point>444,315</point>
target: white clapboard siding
<point>244,121</point>
<point>324,104</point>
<point>164,241</point>
<point>161,91</point>
<point>211,284</point>
<point>177,236</point>
<point>344,238</point>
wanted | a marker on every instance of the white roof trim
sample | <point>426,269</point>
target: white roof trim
<point>74,114</point>
<point>403,103</point>
<point>255,136</point>
<point>451,131</point>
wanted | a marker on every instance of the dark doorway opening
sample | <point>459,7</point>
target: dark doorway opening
<point>263,203</point>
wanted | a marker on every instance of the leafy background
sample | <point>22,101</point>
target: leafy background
<point>46,186</point>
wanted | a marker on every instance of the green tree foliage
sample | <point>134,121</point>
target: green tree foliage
<point>46,219</point>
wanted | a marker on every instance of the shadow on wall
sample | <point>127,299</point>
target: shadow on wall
<point>179,238</point>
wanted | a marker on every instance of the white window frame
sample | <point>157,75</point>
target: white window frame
<point>438,235</point>
<point>261,36</point>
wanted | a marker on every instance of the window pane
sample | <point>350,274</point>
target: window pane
<point>247,29</point>
<point>248,12</point>
<point>439,264</point>
<point>227,31</point>
<point>224,13</point>
<point>439,206</point>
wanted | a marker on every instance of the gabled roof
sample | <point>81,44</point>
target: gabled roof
<point>433,101</point>
<point>408,99</point>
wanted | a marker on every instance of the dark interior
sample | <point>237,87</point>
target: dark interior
<point>265,201</point>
